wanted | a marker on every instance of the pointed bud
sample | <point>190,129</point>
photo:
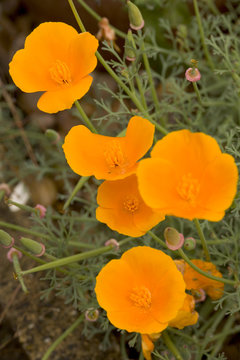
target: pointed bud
<point>174,239</point>
<point>112,242</point>
<point>135,16</point>
<point>53,136</point>
<point>13,251</point>
<point>91,315</point>
<point>189,243</point>
<point>6,240</point>
<point>41,210</point>
<point>36,248</point>
<point>129,52</point>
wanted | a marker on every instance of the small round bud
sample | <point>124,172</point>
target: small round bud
<point>189,243</point>
<point>6,240</point>
<point>41,210</point>
<point>91,315</point>
<point>112,242</point>
<point>53,136</point>
<point>13,251</point>
<point>135,16</point>
<point>199,295</point>
<point>192,74</point>
<point>36,248</point>
<point>174,239</point>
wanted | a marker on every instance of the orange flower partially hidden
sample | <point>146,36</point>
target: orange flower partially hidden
<point>122,208</point>
<point>108,157</point>
<point>186,315</point>
<point>196,281</point>
<point>188,176</point>
<point>148,345</point>
<point>56,60</point>
<point>142,291</point>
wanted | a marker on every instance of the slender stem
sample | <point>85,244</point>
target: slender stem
<point>98,18</point>
<point>62,337</point>
<point>170,345</point>
<point>201,32</point>
<point>141,356</point>
<point>150,78</point>
<point>200,271</point>
<point>122,347</point>
<point>157,239</point>
<point>85,117</point>
<point>78,186</point>
<point>197,93</point>
<point>202,238</point>
<point>116,78</point>
<point>25,230</point>
<point>69,260</point>
<point>17,268</point>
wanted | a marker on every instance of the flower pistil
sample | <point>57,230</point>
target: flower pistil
<point>60,73</point>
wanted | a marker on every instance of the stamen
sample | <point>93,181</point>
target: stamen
<point>60,73</point>
<point>188,188</point>
<point>115,158</point>
<point>131,204</point>
<point>141,297</point>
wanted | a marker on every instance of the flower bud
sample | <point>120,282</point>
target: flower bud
<point>129,47</point>
<point>36,248</point>
<point>13,251</point>
<point>135,16</point>
<point>6,240</point>
<point>5,188</point>
<point>41,210</point>
<point>52,135</point>
<point>192,74</point>
<point>112,242</point>
<point>189,243</point>
<point>199,295</point>
<point>174,239</point>
<point>91,315</point>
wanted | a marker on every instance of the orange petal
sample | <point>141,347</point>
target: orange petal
<point>29,67</point>
<point>63,98</point>
<point>82,57</point>
<point>139,138</point>
<point>186,315</point>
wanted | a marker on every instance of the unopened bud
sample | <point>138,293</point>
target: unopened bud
<point>6,240</point>
<point>135,16</point>
<point>36,248</point>
<point>174,239</point>
<point>91,315</point>
<point>13,251</point>
<point>112,242</point>
<point>52,135</point>
<point>192,74</point>
<point>41,210</point>
<point>129,52</point>
<point>199,295</point>
<point>189,243</point>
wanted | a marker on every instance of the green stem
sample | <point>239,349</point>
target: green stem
<point>78,186</point>
<point>62,337</point>
<point>124,354</point>
<point>201,32</point>
<point>25,230</point>
<point>69,260</point>
<point>170,345</point>
<point>116,78</point>
<point>85,117</point>
<point>202,238</point>
<point>200,271</point>
<point>157,239</point>
<point>98,18</point>
<point>17,268</point>
<point>197,93</point>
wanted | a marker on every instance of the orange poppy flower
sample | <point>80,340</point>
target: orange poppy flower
<point>142,291</point>
<point>188,176</point>
<point>122,208</point>
<point>196,281</point>
<point>148,345</point>
<point>108,157</point>
<point>56,60</point>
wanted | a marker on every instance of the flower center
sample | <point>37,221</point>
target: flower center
<point>115,158</point>
<point>131,204</point>
<point>188,188</point>
<point>60,73</point>
<point>141,297</point>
